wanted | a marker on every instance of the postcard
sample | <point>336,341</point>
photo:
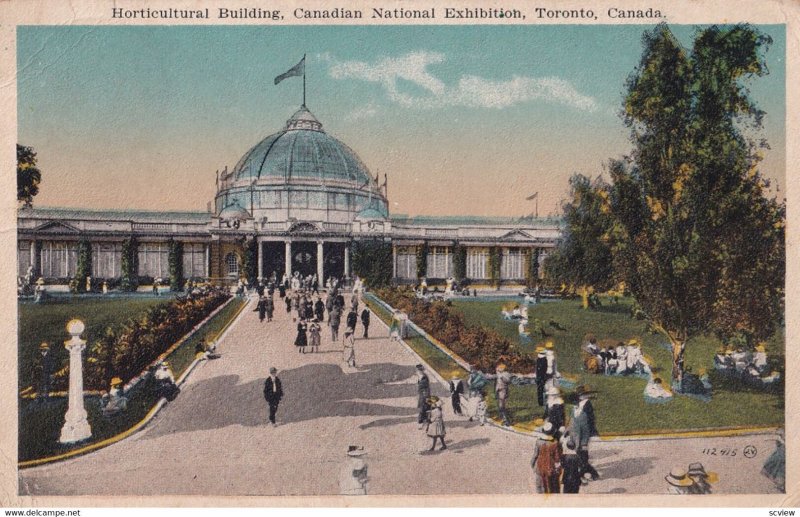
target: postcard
<point>408,253</point>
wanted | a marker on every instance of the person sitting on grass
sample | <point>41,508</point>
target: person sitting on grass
<point>115,401</point>
<point>166,386</point>
<point>205,351</point>
<point>692,385</point>
<point>655,391</point>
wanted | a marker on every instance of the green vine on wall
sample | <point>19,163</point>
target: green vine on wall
<point>422,260</point>
<point>494,265</point>
<point>459,262</point>
<point>84,266</point>
<point>130,264</point>
<point>175,265</point>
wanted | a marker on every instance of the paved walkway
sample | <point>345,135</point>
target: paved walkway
<point>213,439</point>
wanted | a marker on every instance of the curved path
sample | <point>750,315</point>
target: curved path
<point>214,440</point>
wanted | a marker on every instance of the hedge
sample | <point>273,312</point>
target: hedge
<point>480,346</point>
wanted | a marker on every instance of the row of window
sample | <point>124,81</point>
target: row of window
<point>440,263</point>
<point>297,199</point>
<point>60,259</point>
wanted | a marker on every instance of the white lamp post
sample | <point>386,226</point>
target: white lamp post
<point>76,426</point>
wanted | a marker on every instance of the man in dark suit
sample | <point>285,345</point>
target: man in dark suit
<point>541,374</point>
<point>423,392</point>
<point>365,322</point>
<point>583,427</point>
<point>273,393</point>
<point>352,319</point>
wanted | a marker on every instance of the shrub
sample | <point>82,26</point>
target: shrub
<point>478,345</point>
<point>175,265</point>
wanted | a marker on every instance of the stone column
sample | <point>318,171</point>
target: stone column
<point>34,256</point>
<point>288,258</point>
<point>347,260</point>
<point>394,261</point>
<point>76,426</point>
<point>260,245</point>
<point>208,260</point>
<point>320,264</point>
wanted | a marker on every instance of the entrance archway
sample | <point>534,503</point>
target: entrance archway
<point>274,254</point>
<point>334,260</point>
<point>304,258</point>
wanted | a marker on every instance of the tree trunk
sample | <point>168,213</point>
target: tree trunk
<point>678,348</point>
<point>585,296</point>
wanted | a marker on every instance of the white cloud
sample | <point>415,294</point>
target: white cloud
<point>469,91</point>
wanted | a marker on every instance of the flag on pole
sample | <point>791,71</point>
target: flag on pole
<point>296,71</point>
<point>532,197</point>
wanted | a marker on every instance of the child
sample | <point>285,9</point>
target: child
<point>480,412</point>
<point>314,330</point>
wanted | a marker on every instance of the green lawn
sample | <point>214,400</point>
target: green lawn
<point>47,322</point>
<point>620,405</point>
<point>40,421</point>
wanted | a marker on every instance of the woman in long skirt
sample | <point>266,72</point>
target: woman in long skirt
<point>436,422</point>
<point>301,340</point>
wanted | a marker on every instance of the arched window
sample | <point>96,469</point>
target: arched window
<point>232,264</point>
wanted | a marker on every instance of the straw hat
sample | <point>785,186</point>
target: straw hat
<point>678,477</point>
<point>549,345</point>
<point>40,281</point>
<point>44,346</point>
<point>584,390</point>
<point>539,349</point>
<point>697,470</point>
<point>116,381</point>
<point>501,367</point>
<point>761,347</point>
<point>633,342</point>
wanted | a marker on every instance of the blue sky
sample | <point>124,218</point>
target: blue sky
<point>463,119</point>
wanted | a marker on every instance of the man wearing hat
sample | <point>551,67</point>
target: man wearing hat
<point>583,427</point>
<point>546,460</point>
<point>554,410</point>
<point>46,370</point>
<point>273,393</point>
<point>679,482</point>
<point>550,356</point>
<point>456,390</point>
<point>423,393</point>
<point>702,479</point>
<point>501,388</point>
<point>540,374</point>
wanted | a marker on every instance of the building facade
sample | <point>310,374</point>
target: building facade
<point>301,197</point>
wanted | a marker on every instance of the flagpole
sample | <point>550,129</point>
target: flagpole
<point>304,80</point>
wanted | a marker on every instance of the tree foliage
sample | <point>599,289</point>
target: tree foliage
<point>696,238</point>
<point>250,262</point>
<point>583,258</point>
<point>493,264</point>
<point>372,262</point>
<point>28,175</point>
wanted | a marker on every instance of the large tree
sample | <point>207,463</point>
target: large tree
<point>697,239</point>
<point>28,175</point>
<point>583,258</point>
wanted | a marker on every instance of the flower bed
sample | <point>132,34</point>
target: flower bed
<point>477,344</point>
<point>124,350</point>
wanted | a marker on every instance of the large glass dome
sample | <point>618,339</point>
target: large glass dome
<point>301,151</point>
<point>302,173</point>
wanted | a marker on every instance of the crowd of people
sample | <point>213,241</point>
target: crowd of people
<point>626,358</point>
<point>753,368</point>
